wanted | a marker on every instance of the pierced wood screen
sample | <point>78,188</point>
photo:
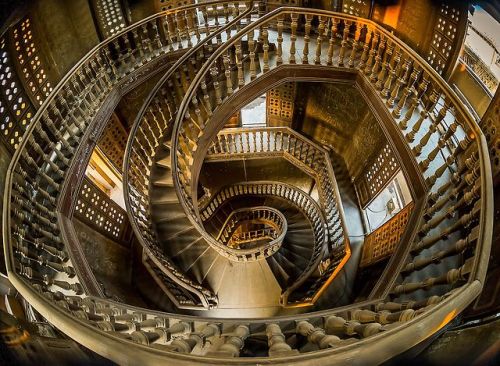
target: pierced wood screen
<point>98,211</point>
<point>490,124</point>
<point>447,36</point>
<point>359,8</point>
<point>28,59</point>
<point>110,16</point>
<point>381,243</point>
<point>280,105</point>
<point>376,175</point>
<point>162,5</point>
<point>114,141</point>
<point>24,84</point>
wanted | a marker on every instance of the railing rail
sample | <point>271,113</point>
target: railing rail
<point>146,133</point>
<point>274,231</point>
<point>458,217</point>
<point>234,143</point>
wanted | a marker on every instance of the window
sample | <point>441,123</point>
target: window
<point>254,113</point>
<point>480,52</point>
<point>16,111</point>
<point>392,199</point>
<point>28,59</point>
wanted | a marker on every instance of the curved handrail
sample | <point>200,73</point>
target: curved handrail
<point>88,320</point>
<point>303,201</point>
<point>313,159</point>
<point>142,205</point>
<point>260,214</point>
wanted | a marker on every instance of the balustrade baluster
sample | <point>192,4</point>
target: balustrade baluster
<point>355,41</point>
<point>265,47</point>
<point>319,39</point>
<point>339,327</point>
<point>279,40</point>
<point>234,342</point>
<point>293,37</point>
<point>317,336</point>
<point>400,81</point>
<point>239,63</point>
<point>371,54</point>
<point>344,42</point>
<point>382,75</point>
<point>449,278</point>
<point>331,41</point>
<point>252,45</point>
<point>417,150</point>
<point>407,91</point>
<point>307,31</point>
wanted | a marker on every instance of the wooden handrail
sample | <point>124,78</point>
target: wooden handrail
<point>411,320</point>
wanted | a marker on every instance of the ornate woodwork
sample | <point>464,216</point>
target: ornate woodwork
<point>490,124</point>
<point>450,228</point>
<point>113,141</point>
<point>25,83</point>
<point>98,211</point>
<point>280,103</point>
<point>381,243</point>
<point>110,17</point>
<point>375,175</point>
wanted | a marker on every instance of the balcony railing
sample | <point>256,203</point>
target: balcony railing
<point>306,204</point>
<point>266,240</point>
<point>453,235</point>
<point>480,70</point>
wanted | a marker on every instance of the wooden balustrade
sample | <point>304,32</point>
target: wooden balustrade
<point>234,143</point>
<point>456,239</point>
<point>158,117</point>
<point>273,233</point>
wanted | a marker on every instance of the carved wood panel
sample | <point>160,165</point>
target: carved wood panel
<point>490,124</point>
<point>114,141</point>
<point>24,83</point>
<point>381,243</point>
<point>162,5</point>
<point>110,16</point>
<point>447,35</point>
<point>377,173</point>
<point>98,211</point>
<point>280,105</point>
<point>359,8</point>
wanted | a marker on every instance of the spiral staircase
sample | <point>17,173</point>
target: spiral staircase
<point>249,268</point>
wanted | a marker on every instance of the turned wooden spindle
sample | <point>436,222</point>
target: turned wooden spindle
<point>307,38</point>
<point>319,39</point>
<point>331,41</point>
<point>279,49</point>
<point>378,59</point>
<point>371,54</point>
<point>316,335</point>
<point>293,37</point>
<point>344,42</point>
<point>384,70</point>
<point>265,47</point>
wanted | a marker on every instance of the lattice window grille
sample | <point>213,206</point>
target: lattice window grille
<point>382,242</point>
<point>16,111</point>
<point>110,15</point>
<point>113,142</point>
<point>382,170</point>
<point>95,207</point>
<point>281,101</point>
<point>28,58</point>
<point>163,5</point>
<point>443,39</point>
<point>376,175</point>
<point>359,8</point>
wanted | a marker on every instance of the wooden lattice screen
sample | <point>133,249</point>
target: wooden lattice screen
<point>381,243</point>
